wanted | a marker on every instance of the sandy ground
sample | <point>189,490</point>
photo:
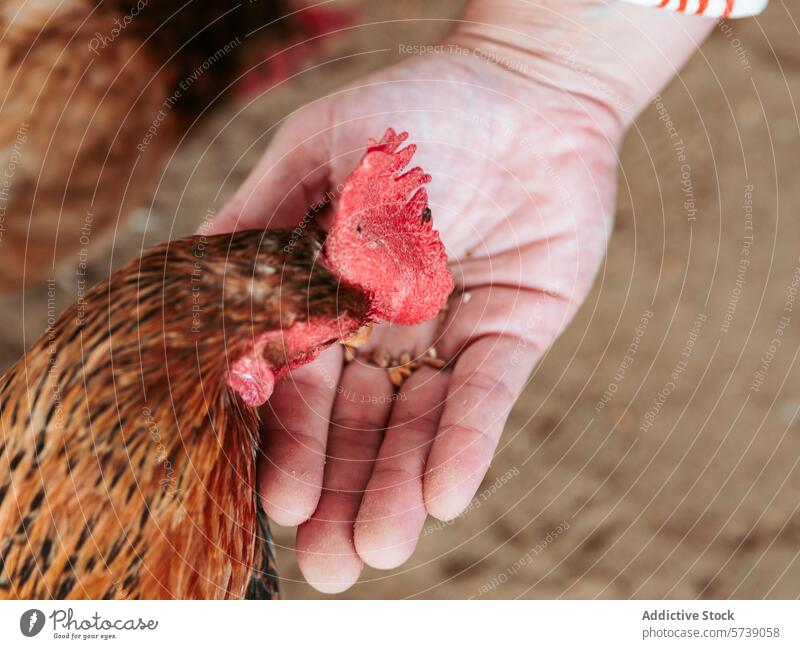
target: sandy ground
<point>585,499</point>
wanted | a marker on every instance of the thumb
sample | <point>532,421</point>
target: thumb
<point>290,176</point>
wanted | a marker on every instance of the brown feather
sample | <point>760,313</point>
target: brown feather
<point>127,464</point>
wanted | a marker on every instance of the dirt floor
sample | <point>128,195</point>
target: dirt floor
<point>609,482</point>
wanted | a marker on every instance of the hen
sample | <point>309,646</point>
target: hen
<point>130,429</point>
<point>97,95</point>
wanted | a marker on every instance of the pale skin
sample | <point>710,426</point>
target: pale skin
<point>520,127</point>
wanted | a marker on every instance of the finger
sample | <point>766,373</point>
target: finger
<point>294,436</point>
<point>392,512</point>
<point>287,181</point>
<point>487,379</point>
<point>532,316</point>
<point>325,549</point>
<point>541,266</point>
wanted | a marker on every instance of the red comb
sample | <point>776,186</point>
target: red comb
<point>382,239</point>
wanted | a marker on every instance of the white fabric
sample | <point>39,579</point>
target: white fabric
<point>715,8</point>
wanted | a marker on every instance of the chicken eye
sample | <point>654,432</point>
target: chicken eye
<point>358,228</point>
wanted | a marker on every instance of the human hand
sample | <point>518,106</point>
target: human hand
<point>523,195</point>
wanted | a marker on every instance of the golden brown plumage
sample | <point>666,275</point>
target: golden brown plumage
<point>127,463</point>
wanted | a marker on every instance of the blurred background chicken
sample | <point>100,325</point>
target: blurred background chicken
<point>98,93</point>
<point>130,429</point>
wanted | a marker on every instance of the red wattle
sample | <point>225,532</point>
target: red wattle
<point>252,379</point>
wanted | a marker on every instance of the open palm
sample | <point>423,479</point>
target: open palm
<point>522,194</point>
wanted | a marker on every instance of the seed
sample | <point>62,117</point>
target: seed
<point>381,358</point>
<point>438,363</point>
<point>396,376</point>
<point>360,337</point>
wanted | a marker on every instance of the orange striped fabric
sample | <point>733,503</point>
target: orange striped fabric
<point>715,8</point>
